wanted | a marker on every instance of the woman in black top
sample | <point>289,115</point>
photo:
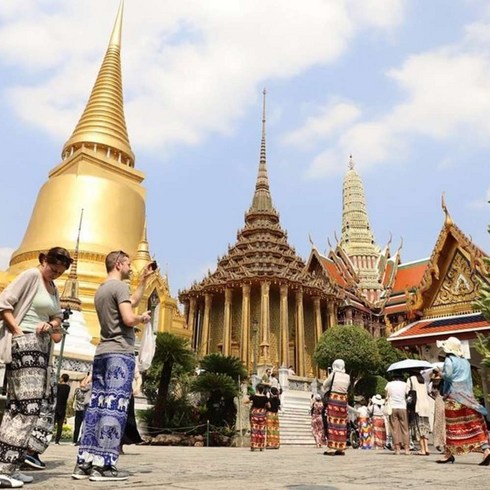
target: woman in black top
<point>273,438</point>
<point>258,419</point>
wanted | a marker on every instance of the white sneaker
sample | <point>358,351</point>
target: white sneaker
<point>7,481</point>
<point>23,477</point>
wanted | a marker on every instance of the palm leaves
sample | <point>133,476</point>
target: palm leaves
<point>229,365</point>
<point>218,385</point>
<point>215,385</point>
<point>171,350</point>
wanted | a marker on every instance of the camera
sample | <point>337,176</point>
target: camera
<point>153,265</point>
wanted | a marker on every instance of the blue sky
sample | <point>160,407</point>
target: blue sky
<point>403,86</point>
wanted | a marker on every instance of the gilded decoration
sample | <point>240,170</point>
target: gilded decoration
<point>96,175</point>
<point>261,258</point>
<point>459,285</point>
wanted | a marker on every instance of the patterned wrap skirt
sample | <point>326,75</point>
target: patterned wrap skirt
<point>105,418</point>
<point>439,430</point>
<point>258,427</point>
<point>466,430</point>
<point>419,427</point>
<point>337,421</point>
<point>379,430</point>
<point>273,438</point>
<point>317,429</point>
<point>365,432</point>
<point>29,413</point>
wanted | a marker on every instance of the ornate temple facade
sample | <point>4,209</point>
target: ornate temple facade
<point>97,177</point>
<point>366,273</point>
<point>261,304</point>
<point>443,303</point>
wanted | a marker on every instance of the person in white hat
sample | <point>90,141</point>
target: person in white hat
<point>375,410</point>
<point>466,430</point>
<point>336,387</point>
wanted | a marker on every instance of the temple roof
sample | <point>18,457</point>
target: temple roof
<point>409,275</point>
<point>440,328</point>
<point>262,251</point>
<point>103,122</point>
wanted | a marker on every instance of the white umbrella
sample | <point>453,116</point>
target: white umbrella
<point>409,364</point>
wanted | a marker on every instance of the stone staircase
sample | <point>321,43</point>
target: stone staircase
<point>295,420</point>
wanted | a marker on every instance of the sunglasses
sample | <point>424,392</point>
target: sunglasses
<point>63,259</point>
<point>120,254</point>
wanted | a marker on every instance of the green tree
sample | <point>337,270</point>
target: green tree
<point>171,350</point>
<point>229,365</point>
<point>388,355</point>
<point>218,384</point>
<point>355,345</point>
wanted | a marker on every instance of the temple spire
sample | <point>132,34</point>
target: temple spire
<point>102,126</point>
<point>262,200</point>
<point>69,297</point>
<point>356,237</point>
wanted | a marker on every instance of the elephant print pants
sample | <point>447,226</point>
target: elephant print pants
<point>23,422</point>
<point>105,418</point>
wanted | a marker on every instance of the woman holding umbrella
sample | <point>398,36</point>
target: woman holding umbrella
<point>466,430</point>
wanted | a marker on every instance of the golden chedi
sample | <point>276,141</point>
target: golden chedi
<point>96,175</point>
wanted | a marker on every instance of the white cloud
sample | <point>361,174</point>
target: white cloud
<point>378,13</point>
<point>330,119</point>
<point>190,67</point>
<point>446,98</point>
<point>5,254</point>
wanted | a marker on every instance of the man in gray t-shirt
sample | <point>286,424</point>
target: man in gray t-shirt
<point>115,336</point>
<point>113,372</point>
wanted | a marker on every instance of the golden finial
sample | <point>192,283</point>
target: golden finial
<point>103,125</point>
<point>69,298</point>
<point>312,243</point>
<point>400,246</point>
<point>351,162</point>
<point>116,32</point>
<point>262,198</point>
<point>448,220</point>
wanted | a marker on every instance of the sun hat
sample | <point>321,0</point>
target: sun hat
<point>377,399</point>
<point>452,345</point>
<point>318,396</point>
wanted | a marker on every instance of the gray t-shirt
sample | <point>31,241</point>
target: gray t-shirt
<point>115,337</point>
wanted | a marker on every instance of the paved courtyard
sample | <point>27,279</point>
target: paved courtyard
<point>295,468</point>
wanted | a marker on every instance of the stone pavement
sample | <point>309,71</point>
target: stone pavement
<point>295,468</point>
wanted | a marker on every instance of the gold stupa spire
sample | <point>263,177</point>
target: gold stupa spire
<point>142,256</point>
<point>262,200</point>
<point>102,125</point>
<point>69,298</point>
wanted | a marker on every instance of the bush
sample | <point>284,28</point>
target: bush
<point>370,386</point>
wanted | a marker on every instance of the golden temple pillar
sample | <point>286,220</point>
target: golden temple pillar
<point>284,326</point>
<point>191,319</point>
<point>245,332</point>
<point>265,322</point>
<point>227,322</point>
<point>300,330</point>
<point>318,318</point>
<point>318,328</point>
<point>208,298</point>
<point>332,315</point>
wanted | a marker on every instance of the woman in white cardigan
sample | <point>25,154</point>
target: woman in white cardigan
<point>31,314</point>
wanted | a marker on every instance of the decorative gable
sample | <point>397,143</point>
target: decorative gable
<point>458,288</point>
<point>459,285</point>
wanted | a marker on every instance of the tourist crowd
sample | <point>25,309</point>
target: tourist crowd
<point>438,401</point>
